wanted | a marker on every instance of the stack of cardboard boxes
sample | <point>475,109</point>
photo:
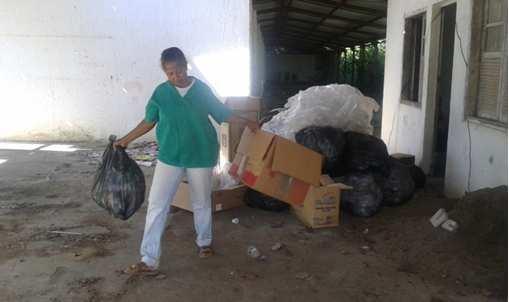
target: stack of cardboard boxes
<point>274,166</point>
<point>289,172</point>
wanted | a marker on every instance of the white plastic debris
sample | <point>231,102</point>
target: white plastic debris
<point>65,233</point>
<point>341,106</point>
<point>144,163</point>
<point>277,246</point>
<point>235,221</point>
<point>253,252</point>
<point>439,218</point>
<point>450,225</point>
<point>303,276</point>
<point>221,179</point>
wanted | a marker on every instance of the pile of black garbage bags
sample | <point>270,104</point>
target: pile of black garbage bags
<point>362,161</point>
<point>358,160</point>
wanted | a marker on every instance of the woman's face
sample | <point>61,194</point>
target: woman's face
<point>176,73</point>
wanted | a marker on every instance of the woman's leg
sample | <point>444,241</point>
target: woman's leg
<point>200,183</point>
<point>164,186</point>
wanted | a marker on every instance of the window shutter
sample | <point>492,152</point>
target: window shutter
<point>503,116</point>
<point>489,80</point>
<point>492,87</point>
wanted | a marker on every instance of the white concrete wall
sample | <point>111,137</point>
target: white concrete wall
<point>80,69</point>
<point>406,128</point>
<point>257,58</point>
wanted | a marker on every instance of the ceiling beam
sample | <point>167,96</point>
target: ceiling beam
<point>273,29</point>
<point>365,33</point>
<point>346,7</point>
<point>283,14</point>
<point>321,38</point>
<point>290,38</point>
<point>331,12</point>
<point>306,32</point>
<point>331,3</point>
<point>299,35</point>
<point>331,26</point>
<point>318,15</point>
<point>344,40</point>
<point>256,2</point>
<point>265,20</point>
<point>356,27</point>
<point>312,45</point>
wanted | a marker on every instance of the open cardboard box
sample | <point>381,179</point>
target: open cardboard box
<point>221,199</point>
<point>289,172</point>
<point>276,166</point>
<point>321,208</point>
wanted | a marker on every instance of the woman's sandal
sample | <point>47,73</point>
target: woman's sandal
<point>205,252</point>
<point>141,268</point>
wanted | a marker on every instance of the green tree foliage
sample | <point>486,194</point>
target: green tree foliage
<point>363,67</point>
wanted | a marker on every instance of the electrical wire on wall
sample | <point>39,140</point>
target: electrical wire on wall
<point>467,120</point>
<point>396,114</point>
<point>469,156</point>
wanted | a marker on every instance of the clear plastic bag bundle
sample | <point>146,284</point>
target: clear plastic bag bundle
<point>119,184</point>
<point>340,106</point>
<point>221,179</point>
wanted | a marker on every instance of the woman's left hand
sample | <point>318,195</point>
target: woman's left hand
<point>253,125</point>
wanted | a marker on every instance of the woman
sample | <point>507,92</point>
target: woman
<point>187,145</point>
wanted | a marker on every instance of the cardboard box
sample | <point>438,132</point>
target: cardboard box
<point>276,166</point>
<point>321,207</point>
<point>246,107</point>
<point>221,199</point>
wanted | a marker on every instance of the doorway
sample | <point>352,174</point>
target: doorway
<point>443,92</point>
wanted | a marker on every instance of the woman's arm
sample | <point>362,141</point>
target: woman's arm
<point>142,128</point>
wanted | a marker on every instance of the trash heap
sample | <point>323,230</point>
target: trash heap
<point>335,121</point>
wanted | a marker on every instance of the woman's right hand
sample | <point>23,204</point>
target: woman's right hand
<point>120,143</point>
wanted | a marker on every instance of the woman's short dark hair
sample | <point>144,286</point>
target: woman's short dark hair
<point>173,54</point>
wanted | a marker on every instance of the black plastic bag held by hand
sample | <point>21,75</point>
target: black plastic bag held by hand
<point>119,184</point>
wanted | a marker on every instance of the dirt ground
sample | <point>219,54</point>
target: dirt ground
<point>394,256</point>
